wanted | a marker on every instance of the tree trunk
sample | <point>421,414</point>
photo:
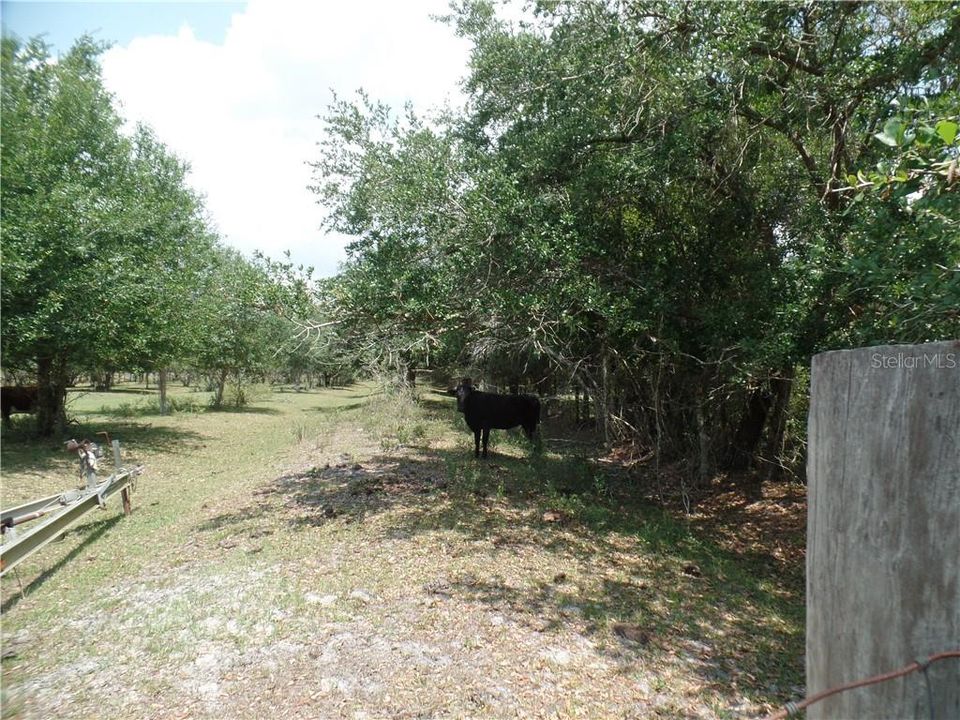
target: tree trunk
<point>603,400</point>
<point>781,387</point>
<point>747,438</point>
<point>221,384</point>
<point>162,385</point>
<point>52,395</point>
<point>703,442</point>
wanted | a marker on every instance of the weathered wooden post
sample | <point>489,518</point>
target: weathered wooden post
<point>883,533</point>
<point>125,493</point>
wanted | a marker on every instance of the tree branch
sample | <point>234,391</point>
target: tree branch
<point>792,62</point>
<point>808,161</point>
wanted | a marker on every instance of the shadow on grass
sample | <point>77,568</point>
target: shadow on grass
<point>152,410</point>
<point>243,410</point>
<point>91,532</point>
<point>248,517</point>
<point>333,409</point>
<point>290,390</point>
<point>22,451</point>
<point>656,586</point>
<point>139,391</point>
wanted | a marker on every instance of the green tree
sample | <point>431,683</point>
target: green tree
<point>239,323</point>
<point>902,275</point>
<point>391,185</point>
<point>101,238</point>
<point>700,155</point>
<point>654,199</point>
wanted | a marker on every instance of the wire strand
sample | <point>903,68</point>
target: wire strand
<point>794,708</point>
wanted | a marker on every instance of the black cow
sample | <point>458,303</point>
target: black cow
<point>487,411</point>
<point>20,399</point>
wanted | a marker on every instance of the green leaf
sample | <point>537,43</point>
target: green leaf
<point>886,139</point>
<point>893,132</point>
<point>926,134</point>
<point>947,130</point>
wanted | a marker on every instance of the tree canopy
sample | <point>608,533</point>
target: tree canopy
<point>668,205</point>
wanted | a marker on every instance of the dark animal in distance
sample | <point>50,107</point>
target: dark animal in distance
<point>488,411</point>
<point>21,399</point>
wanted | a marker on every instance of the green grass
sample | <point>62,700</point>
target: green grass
<point>258,527</point>
<point>190,459</point>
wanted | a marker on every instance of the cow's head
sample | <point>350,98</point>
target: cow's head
<point>462,392</point>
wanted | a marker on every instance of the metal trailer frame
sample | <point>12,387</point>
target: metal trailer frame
<point>67,508</point>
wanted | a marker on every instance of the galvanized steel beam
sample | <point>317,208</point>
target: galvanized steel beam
<point>29,508</point>
<point>18,547</point>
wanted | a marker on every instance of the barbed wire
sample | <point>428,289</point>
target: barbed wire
<point>794,708</point>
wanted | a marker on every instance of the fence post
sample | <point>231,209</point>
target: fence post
<point>883,533</point>
<point>125,493</point>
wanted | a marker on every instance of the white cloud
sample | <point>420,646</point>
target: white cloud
<point>243,113</point>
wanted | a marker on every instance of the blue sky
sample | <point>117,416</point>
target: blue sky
<point>115,22</point>
<point>235,90</point>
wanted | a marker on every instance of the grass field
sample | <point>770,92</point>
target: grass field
<point>340,553</point>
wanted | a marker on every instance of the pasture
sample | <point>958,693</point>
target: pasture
<point>341,554</point>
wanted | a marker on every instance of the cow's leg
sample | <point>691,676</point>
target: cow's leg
<point>536,438</point>
<point>486,439</point>
<point>476,443</point>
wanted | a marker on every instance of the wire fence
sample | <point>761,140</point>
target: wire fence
<point>795,708</point>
